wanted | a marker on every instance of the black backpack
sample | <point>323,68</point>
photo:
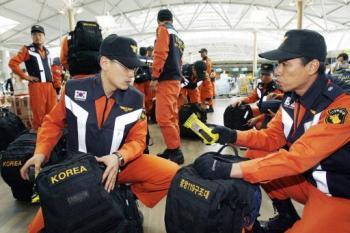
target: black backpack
<point>238,116</point>
<point>14,157</point>
<point>197,205</point>
<point>143,73</point>
<point>184,113</point>
<point>11,126</point>
<point>74,200</point>
<point>83,48</point>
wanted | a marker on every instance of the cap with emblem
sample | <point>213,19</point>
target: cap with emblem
<point>122,49</point>
<point>203,50</point>
<point>266,68</point>
<point>37,28</point>
<point>299,43</point>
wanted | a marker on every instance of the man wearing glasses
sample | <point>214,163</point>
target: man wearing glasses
<point>105,117</point>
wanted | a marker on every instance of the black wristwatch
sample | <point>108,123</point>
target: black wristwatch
<point>120,159</point>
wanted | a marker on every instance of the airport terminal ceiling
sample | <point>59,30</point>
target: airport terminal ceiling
<point>225,28</point>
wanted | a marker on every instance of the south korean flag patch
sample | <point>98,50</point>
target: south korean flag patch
<point>80,95</point>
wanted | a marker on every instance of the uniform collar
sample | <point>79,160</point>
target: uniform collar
<point>99,92</point>
<point>313,93</point>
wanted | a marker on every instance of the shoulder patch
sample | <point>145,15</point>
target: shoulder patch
<point>336,116</point>
<point>143,115</point>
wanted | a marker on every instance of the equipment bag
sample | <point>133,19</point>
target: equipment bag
<point>83,48</point>
<point>237,117</point>
<point>197,205</point>
<point>14,157</point>
<point>74,200</point>
<point>11,126</point>
<point>184,113</point>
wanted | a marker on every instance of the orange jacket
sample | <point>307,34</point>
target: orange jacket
<point>54,122</point>
<point>303,154</point>
<point>64,53</point>
<point>20,57</point>
<point>209,64</point>
<point>253,97</point>
<point>56,76</point>
<point>161,51</point>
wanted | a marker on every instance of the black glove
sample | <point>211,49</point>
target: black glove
<point>226,135</point>
<point>210,168</point>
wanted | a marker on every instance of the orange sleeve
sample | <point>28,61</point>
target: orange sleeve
<point>64,53</point>
<point>161,51</point>
<point>269,139</point>
<point>20,57</point>
<point>209,66</point>
<point>51,129</point>
<point>135,141</point>
<point>304,153</point>
<point>252,98</point>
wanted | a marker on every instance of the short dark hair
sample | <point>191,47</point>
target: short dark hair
<point>344,56</point>
<point>321,68</point>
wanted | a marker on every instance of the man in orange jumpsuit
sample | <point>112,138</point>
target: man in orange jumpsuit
<point>95,110</point>
<point>57,74</point>
<point>193,75</point>
<point>166,78</point>
<point>143,78</point>
<point>37,61</point>
<point>304,152</point>
<point>266,88</point>
<point>207,88</point>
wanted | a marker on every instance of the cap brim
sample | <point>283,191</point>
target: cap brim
<point>278,55</point>
<point>266,72</point>
<point>129,62</point>
<point>37,31</point>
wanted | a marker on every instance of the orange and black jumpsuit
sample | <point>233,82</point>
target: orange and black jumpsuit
<point>206,89</point>
<point>166,69</point>
<point>314,170</point>
<point>189,87</point>
<point>94,123</point>
<point>42,94</point>
<point>259,94</point>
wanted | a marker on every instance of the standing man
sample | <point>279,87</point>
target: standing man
<point>104,117</point>
<point>304,152</point>
<point>166,78</point>
<point>207,88</point>
<point>36,58</point>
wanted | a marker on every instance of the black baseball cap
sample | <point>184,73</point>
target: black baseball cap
<point>122,49</point>
<point>299,43</point>
<point>203,50</point>
<point>200,68</point>
<point>165,15</point>
<point>266,68</point>
<point>37,28</point>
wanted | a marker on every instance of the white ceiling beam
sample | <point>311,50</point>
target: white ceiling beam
<point>193,16</point>
<point>222,17</point>
<point>314,22</point>
<point>273,22</point>
<point>5,2</point>
<point>244,14</point>
<point>324,15</point>
<point>274,15</point>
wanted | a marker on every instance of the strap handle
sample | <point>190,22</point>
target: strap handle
<point>235,150</point>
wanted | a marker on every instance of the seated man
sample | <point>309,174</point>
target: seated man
<point>304,152</point>
<point>193,76</point>
<point>95,110</point>
<point>266,89</point>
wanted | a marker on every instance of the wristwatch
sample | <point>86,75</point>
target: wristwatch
<point>120,158</point>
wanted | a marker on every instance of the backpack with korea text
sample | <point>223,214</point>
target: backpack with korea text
<point>74,200</point>
<point>198,205</point>
<point>83,48</point>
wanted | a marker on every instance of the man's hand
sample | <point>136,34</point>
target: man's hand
<point>236,103</point>
<point>251,122</point>
<point>32,79</point>
<point>110,174</point>
<point>153,85</point>
<point>226,135</point>
<point>210,168</point>
<point>37,160</point>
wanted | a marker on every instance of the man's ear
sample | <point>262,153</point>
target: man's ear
<point>312,66</point>
<point>104,62</point>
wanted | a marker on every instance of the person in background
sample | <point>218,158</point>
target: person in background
<point>166,78</point>
<point>57,73</point>
<point>207,89</point>
<point>342,63</point>
<point>42,94</point>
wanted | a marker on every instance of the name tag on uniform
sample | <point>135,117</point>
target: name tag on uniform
<point>80,95</point>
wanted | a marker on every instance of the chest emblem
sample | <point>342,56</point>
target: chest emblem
<point>80,95</point>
